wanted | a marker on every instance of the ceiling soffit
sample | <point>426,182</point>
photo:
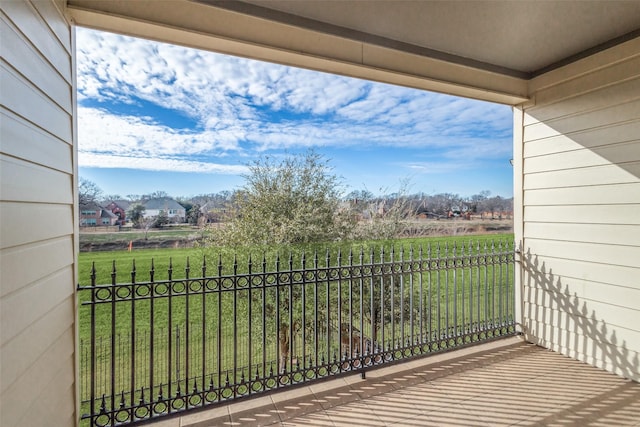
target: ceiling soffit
<point>519,38</point>
<point>202,26</point>
<point>482,50</point>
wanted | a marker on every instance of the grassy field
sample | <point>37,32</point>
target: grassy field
<point>124,260</point>
<point>126,236</point>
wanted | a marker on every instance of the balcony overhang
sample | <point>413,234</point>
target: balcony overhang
<point>225,27</point>
<point>480,49</point>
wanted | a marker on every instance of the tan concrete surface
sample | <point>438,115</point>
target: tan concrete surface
<point>504,383</point>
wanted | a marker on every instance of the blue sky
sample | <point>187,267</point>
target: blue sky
<point>154,116</point>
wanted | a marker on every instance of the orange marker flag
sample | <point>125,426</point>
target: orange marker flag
<point>130,245</point>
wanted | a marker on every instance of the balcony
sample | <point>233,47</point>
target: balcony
<point>503,383</point>
<point>174,343</point>
<point>331,340</point>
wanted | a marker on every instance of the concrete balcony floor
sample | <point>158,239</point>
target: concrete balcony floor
<point>503,383</point>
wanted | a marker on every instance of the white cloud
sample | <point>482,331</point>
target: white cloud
<point>434,168</point>
<point>100,131</point>
<point>242,107</point>
<point>95,160</point>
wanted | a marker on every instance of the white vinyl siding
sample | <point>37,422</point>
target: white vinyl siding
<point>171,213</point>
<point>581,211</point>
<point>37,247</point>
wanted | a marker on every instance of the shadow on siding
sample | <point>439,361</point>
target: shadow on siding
<point>600,344</point>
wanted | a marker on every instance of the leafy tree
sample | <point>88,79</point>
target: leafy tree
<point>147,223</point>
<point>88,192</point>
<point>384,217</point>
<point>294,200</point>
<point>110,197</point>
<point>496,204</point>
<point>359,196</point>
<point>442,203</point>
<point>193,214</point>
<point>136,214</point>
<point>185,203</point>
<point>192,209</point>
<point>159,194</point>
<point>161,220</point>
<point>221,197</point>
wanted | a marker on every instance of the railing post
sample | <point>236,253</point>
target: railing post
<point>219,332</point>
<point>438,290</point>
<point>385,346</point>
<point>392,307</point>
<point>430,298</point>
<point>303,268</point>
<point>372,310</point>
<point>93,343</point>
<point>316,329</point>
<point>264,316</point>
<point>113,342</point>
<point>341,356</point>
<point>249,322</point>
<point>420,261</point>
<point>279,329</point>
<point>234,376</point>
<point>455,293</point>
<point>363,352</point>
<point>292,347</point>
<point>470,255</point>
<point>203,327</point>
<point>328,302</point>
<point>187,334</point>
<point>169,331</point>
<point>411,318</point>
<point>151,330</point>
<point>132,386</point>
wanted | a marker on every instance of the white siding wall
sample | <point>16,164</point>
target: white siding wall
<point>37,245</point>
<point>581,210</point>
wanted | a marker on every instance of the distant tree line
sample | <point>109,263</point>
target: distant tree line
<point>434,205</point>
<point>298,199</point>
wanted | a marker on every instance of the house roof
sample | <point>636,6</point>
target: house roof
<point>162,203</point>
<point>123,204</point>
<point>211,206</point>
<point>92,206</point>
<point>106,213</point>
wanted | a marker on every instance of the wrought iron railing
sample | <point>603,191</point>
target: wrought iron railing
<point>158,347</point>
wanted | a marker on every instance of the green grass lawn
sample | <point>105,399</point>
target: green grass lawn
<point>124,263</point>
<point>124,260</point>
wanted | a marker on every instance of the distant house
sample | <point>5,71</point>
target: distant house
<point>174,210</point>
<point>92,215</point>
<point>119,209</point>
<point>213,211</point>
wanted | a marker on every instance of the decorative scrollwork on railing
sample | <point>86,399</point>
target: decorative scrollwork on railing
<point>169,344</point>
